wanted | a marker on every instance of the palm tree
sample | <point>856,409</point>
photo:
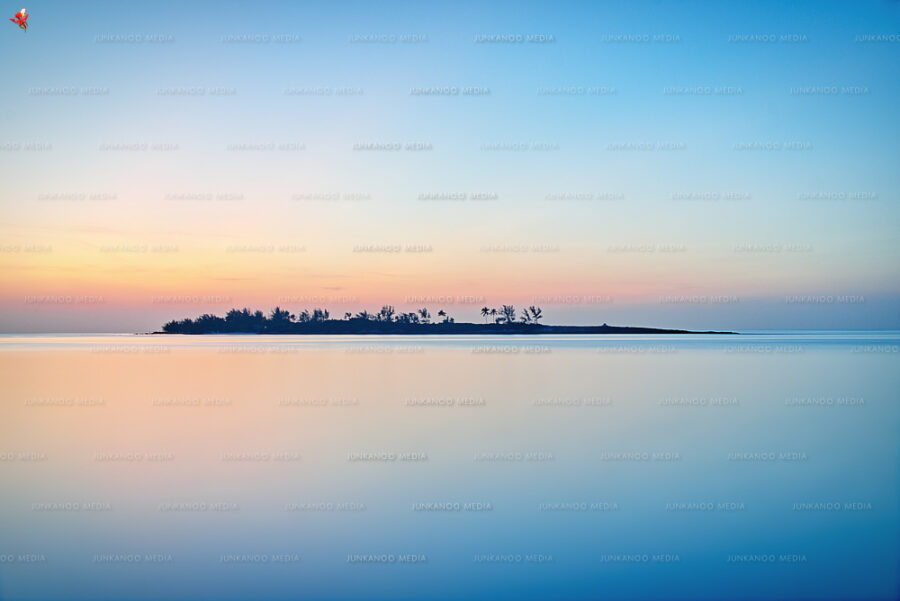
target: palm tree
<point>364,315</point>
<point>443,314</point>
<point>484,312</point>
<point>348,315</point>
<point>425,315</point>
<point>494,314</point>
<point>535,313</point>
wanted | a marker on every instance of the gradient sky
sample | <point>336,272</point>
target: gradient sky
<point>736,164</point>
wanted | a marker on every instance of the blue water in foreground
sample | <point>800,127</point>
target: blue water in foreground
<point>759,466</point>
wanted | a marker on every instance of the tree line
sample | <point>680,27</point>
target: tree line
<point>387,319</point>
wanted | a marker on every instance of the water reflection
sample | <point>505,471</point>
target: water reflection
<point>174,467</point>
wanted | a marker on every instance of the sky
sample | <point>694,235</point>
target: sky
<point>696,164</point>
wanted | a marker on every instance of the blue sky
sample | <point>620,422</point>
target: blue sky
<point>744,151</point>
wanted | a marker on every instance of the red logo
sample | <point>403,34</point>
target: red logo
<point>21,19</point>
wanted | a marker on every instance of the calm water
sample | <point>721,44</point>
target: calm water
<point>763,466</point>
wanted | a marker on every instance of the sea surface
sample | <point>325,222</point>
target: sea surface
<point>759,466</point>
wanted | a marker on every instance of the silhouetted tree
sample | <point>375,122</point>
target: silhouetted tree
<point>408,318</point>
<point>508,313</point>
<point>209,323</point>
<point>425,315</point>
<point>242,321</point>
<point>280,315</point>
<point>279,320</point>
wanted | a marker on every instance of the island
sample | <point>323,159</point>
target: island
<point>505,320</point>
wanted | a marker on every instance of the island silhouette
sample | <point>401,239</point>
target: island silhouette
<point>505,320</point>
